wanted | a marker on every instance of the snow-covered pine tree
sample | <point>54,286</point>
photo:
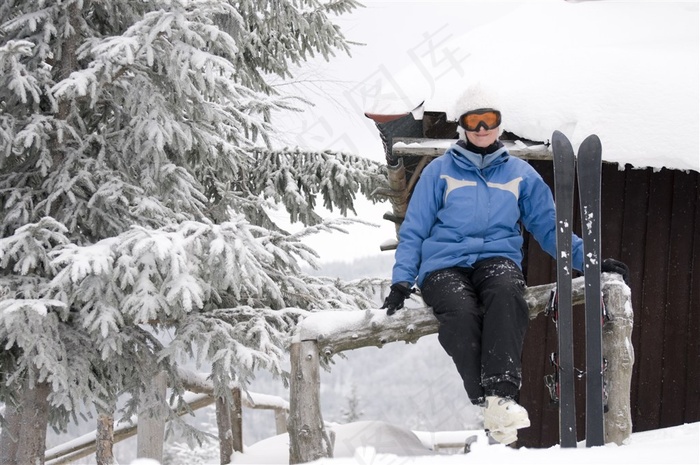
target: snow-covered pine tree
<point>353,412</point>
<point>135,174</point>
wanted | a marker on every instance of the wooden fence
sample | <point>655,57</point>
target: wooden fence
<point>328,333</point>
<point>149,430</point>
<point>324,334</point>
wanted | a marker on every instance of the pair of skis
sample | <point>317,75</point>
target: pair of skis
<point>589,181</point>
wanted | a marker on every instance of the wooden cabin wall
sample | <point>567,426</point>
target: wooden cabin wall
<point>650,221</point>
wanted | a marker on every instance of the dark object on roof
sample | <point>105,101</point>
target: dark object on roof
<point>391,126</point>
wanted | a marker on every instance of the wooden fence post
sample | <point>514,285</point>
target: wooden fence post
<point>104,438</point>
<point>306,430</point>
<point>223,426</point>
<point>229,422</point>
<point>280,421</point>
<point>619,353</point>
<point>151,425</point>
<point>237,420</point>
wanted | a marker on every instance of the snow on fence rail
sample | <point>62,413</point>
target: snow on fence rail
<point>199,396</point>
<point>327,333</point>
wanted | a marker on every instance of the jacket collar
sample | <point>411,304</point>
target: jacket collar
<point>466,157</point>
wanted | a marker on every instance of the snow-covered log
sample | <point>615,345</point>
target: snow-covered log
<point>427,147</point>
<point>338,331</point>
<point>619,352</point>
<point>324,334</point>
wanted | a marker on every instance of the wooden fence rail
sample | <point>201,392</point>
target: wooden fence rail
<point>198,397</point>
<point>327,333</point>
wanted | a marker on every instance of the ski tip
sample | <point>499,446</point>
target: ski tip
<point>593,140</point>
<point>561,144</point>
<point>558,135</point>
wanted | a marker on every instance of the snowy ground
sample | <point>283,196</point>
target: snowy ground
<point>392,445</point>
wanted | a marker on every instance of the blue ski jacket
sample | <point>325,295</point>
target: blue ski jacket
<point>467,207</point>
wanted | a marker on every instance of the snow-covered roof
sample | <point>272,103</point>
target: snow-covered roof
<point>627,71</point>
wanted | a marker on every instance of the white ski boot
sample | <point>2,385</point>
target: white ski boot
<point>503,417</point>
<point>506,436</point>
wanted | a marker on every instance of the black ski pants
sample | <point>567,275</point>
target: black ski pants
<point>483,317</point>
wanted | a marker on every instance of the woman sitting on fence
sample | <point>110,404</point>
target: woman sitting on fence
<point>460,243</point>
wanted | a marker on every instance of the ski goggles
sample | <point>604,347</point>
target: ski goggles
<point>488,118</point>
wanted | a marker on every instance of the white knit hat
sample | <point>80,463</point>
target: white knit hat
<point>476,96</point>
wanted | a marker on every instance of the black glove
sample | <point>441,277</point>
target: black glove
<point>394,301</point>
<point>610,265</point>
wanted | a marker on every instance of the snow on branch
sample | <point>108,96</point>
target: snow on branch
<point>15,76</point>
<point>230,291</point>
<point>39,306</point>
<point>295,178</point>
<point>28,249</point>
